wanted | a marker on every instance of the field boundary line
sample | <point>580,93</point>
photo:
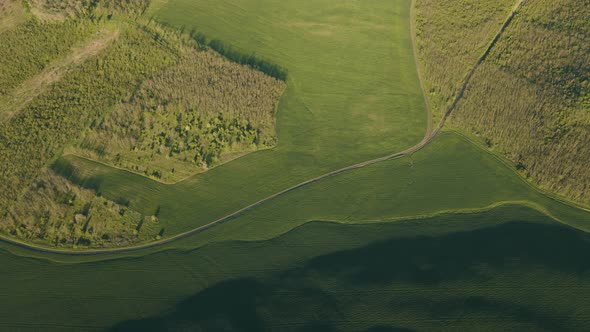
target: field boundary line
<point>508,164</point>
<point>428,137</point>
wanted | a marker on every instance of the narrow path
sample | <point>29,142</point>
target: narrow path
<point>428,137</point>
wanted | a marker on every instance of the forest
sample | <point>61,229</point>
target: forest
<point>88,71</point>
<point>188,118</point>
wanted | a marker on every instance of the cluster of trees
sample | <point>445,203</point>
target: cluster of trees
<point>237,56</point>
<point>57,212</point>
<point>185,118</point>
<point>36,135</point>
<point>530,98</point>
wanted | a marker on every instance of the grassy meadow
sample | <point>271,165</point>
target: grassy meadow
<point>447,175</point>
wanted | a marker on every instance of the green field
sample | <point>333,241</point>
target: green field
<point>321,128</point>
<point>450,237</point>
<point>509,268</point>
<point>448,175</point>
<point>366,104</point>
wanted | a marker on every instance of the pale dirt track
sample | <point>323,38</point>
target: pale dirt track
<point>428,137</point>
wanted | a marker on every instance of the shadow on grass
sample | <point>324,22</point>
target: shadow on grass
<point>352,289</point>
<point>64,167</point>
<point>431,260</point>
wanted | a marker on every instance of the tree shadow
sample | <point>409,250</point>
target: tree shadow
<point>306,298</point>
<point>430,260</point>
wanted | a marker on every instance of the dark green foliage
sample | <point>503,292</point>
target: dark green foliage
<point>55,212</point>
<point>195,107</point>
<point>187,118</point>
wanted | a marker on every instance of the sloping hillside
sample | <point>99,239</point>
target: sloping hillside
<point>530,100</point>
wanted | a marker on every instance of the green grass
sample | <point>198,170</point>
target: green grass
<point>330,131</point>
<point>352,80</point>
<point>324,122</point>
<point>510,268</point>
<point>450,174</point>
<point>351,95</point>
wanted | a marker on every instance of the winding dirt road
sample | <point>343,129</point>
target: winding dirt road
<point>428,137</point>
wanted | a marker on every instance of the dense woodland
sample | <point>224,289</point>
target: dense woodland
<point>187,118</point>
<point>38,134</point>
<point>132,89</point>
<point>530,101</point>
